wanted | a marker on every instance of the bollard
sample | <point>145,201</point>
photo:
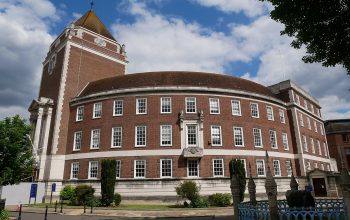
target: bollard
<point>20,212</point>
<point>45,218</point>
<point>91,209</point>
<point>84,208</point>
<point>61,206</point>
<point>56,206</point>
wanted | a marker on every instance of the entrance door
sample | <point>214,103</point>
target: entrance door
<point>319,187</point>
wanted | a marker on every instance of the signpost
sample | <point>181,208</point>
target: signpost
<point>33,192</point>
<point>53,189</point>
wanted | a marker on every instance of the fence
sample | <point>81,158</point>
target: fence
<point>325,209</point>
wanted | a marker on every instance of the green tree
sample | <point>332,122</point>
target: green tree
<point>16,160</point>
<point>323,26</point>
<point>108,175</point>
<point>236,167</point>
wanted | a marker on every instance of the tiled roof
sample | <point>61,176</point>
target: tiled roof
<point>91,22</point>
<point>175,78</point>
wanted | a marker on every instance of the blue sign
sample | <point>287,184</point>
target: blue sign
<point>33,190</point>
<point>53,187</point>
<point>308,188</point>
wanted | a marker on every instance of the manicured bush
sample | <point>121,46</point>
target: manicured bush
<point>84,193</point>
<point>199,202</point>
<point>188,190</point>
<point>220,199</point>
<point>4,215</point>
<point>117,199</point>
<point>237,168</point>
<point>94,202</point>
<point>108,176</point>
<point>68,193</point>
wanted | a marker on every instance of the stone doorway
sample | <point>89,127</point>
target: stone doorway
<point>320,189</point>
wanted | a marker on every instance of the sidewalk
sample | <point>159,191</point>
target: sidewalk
<point>176,212</point>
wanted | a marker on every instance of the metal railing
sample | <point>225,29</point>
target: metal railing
<point>325,209</point>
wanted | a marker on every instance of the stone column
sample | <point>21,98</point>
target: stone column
<point>38,128</point>
<point>271,191</point>
<point>235,196</point>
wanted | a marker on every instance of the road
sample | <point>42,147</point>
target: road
<point>35,216</point>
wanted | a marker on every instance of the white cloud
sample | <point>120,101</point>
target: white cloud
<point>250,8</point>
<point>279,61</point>
<point>24,41</point>
<point>155,42</point>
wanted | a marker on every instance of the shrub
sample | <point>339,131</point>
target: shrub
<point>68,193</point>
<point>237,168</point>
<point>199,202</point>
<point>4,215</point>
<point>108,175</point>
<point>117,199</point>
<point>188,190</point>
<point>220,199</point>
<point>84,193</point>
<point>94,202</point>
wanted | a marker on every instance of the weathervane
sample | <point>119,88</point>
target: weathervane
<point>91,4</point>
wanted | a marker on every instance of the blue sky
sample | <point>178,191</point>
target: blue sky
<point>234,37</point>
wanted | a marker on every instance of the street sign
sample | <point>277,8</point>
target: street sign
<point>33,190</point>
<point>308,188</point>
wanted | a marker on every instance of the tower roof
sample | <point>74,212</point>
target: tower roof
<point>93,23</point>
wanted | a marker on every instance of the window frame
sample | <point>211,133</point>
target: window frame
<point>71,171</point>
<point>121,137</point>
<point>161,135</point>
<point>136,136</point>
<point>196,135</point>
<point>144,169</point>
<point>187,100</point>
<point>118,169</point>
<point>313,150</point>
<point>214,101</point>
<point>269,113</point>
<point>80,113</point>
<point>161,105</point>
<point>212,135</point>
<point>289,170</point>
<point>239,113</point>
<point>161,168</point>
<point>188,168</point>
<point>234,136</point>
<point>95,110</point>
<point>116,107</point>
<point>315,127</point>
<point>273,139</point>
<point>90,166</point>
<point>222,167</point>
<point>282,116</point>
<point>260,137</point>
<point>138,107</point>
<point>301,119</point>
<point>254,110</point>
<point>75,140</point>
<point>306,148</point>
<point>274,168</point>
<point>92,139</point>
<point>257,167</point>
<point>285,141</point>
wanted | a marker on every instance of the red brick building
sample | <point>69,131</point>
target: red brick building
<point>164,127</point>
<point>338,137</point>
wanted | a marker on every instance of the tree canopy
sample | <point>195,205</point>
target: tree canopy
<point>322,26</point>
<point>16,160</point>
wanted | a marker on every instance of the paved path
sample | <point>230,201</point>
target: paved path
<point>122,213</point>
<point>40,216</point>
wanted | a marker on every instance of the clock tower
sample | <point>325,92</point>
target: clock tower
<point>85,51</point>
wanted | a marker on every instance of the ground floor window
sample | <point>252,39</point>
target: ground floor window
<point>118,167</point>
<point>218,167</point>
<point>260,167</point>
<point>166,167</point>
<point>140,169</point>
<point>192,168</point>
<point>93,169</point>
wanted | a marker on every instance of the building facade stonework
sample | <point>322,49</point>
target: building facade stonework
<point>164,127</point>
